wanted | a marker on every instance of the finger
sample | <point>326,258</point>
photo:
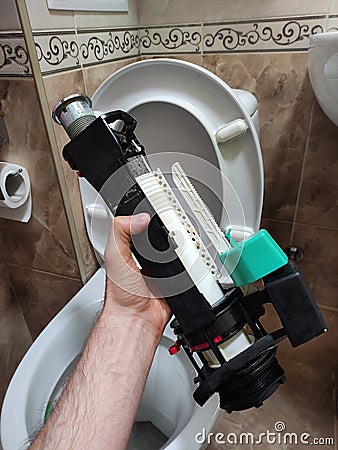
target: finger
<point>120,266</point>
<point>122,230</point>
<point>139,222</point>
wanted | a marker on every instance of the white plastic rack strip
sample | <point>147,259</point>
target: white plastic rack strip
<point>190,248</point>
<point>200,209</point>
<point>206,219</point>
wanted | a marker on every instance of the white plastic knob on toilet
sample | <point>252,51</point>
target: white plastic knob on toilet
<point>231,130</point>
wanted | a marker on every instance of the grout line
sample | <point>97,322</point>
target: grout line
<point>328,307</point>
<point>77,37</point>
<point>289,222</point>
<point>43,271</point>
<point>17,301</point>
<point>327,15</point>
<point>305,224</point>
<point>302,172</point>
<point>313,225</point>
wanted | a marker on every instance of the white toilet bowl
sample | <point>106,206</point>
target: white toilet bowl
<point>167,401</point>
<point>182,103</point>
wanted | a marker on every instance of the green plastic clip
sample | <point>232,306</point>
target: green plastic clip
<point>253,258</point>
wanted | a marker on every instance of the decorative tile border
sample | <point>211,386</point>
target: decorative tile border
<point>66,50</point>
<point>60,51</point>
<point>106,46</point>
<point>14,60</point>
<point>275,35</point>
<point>56,51</point>
<point>171,39</point>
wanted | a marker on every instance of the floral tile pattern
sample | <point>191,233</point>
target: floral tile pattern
<point>62,50</point>
<point>14,58</point>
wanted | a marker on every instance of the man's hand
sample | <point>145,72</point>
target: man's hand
<point>127,293</point>
<point>98,406</point>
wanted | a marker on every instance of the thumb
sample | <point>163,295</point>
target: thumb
<point>138,223</point>
<point>117,253</point>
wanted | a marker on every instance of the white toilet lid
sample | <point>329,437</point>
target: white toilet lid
<point>180,107</point>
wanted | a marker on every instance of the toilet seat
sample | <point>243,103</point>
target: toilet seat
<point>180,108</point>
<point>212,102</point>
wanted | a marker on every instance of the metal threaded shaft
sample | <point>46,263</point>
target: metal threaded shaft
<point>79,125</point>
<point>74,113</point>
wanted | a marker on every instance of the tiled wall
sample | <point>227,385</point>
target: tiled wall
<point>38,269</point>
<point>258,46</point>
<point>15,338</point>
<point>39,255</point>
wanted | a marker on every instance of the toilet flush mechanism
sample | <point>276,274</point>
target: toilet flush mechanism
<point>218,329</point>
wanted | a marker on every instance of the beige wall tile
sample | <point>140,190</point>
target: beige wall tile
<point>92,19</point>
<point>280,231</point>
<point>282,87</point>
<point>333,8</point>
<point>57,87</point>
<point>318,196</point>
<point>216,10</point>
<point>41,295</point>
<point>41,18</point>
<point>94,76</point>
<point>193,58</point>
<point>44,242</point>
<point>9,19</point>
<point>6,291</point>
<point>175,12</point>
<point>320,263</point>
<point>169,11</point>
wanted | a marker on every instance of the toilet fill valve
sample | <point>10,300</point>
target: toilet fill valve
<point>218,329</point>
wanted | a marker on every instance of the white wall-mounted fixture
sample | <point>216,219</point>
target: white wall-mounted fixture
<point>15,192</point>
<point>323,71</point>
<point>89,5</point>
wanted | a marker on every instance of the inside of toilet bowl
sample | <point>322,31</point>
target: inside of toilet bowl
<point>171,133</point>
<point>163,411</point>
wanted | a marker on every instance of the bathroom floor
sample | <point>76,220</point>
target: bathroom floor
<point>304,406</point>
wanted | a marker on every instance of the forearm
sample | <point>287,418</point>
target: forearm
<point>98,406</point>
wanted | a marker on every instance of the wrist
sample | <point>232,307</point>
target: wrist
<point>150,312</point>
<point>126,319</point>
